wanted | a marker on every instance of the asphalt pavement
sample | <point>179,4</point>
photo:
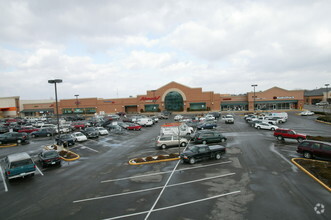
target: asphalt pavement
<point>254,180</point>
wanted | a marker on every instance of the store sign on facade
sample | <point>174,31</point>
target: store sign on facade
<point>149,99</point>
<point>283,97</point>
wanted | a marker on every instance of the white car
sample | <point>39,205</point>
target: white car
<point>79,136</point>
<point>102,131</point>
<point>229,119</point>
<point>266,126</point>
<point>307,113</point>
<point>178,117</point>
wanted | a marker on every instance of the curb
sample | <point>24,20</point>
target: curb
<point>72,159</point>
<point>153,161</point>
<point>324,122</point>
<point>309,174</point>
<point>8,145</point>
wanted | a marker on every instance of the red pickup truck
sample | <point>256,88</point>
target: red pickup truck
<point>282,133</point>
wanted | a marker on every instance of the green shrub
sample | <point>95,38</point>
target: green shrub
<point>161,157</point>
<point>149,158</point>
<point>173,155</point>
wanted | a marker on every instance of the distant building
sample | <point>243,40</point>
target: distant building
<point>317,95</point>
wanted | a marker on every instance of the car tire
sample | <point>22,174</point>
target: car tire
<point>204,142</point>
<point>163,146</point>
<point>217,156</point>
<point>280,138</point>
<point>307,155</point>
<point>48,135</point>
<point>272,129</point>
<point>183,144</point>
<point>300,140</point>
<point>192,160</point>
<point>214,127</point>
<point>33,135</point>
<point>19,141</point>
<point>0,142</point>
<point>223,140</point>
<point>258,127</point>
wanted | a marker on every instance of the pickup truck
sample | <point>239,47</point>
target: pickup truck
<point>201,152</point>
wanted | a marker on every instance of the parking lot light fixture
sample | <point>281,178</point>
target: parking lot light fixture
<point>55,81</point>
<point>77,102</point>
<point>254,96</point>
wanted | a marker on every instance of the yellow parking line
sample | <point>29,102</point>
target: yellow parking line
<point>9,145</point>
<point>311,175</point>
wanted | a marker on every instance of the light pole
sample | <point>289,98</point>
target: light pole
<point>327,92</point>
<point>77,102</point>
<point>55,81</point>
<point>254,96</point>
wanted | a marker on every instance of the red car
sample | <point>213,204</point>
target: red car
<point>78,125</point>
<point>132,126</point>
<point>282,133</point>
<point>28,129</point>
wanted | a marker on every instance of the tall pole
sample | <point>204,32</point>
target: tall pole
<point>254,96</point>
<point>77,103</point>
<point>55,81</point>
<point>327,92</point>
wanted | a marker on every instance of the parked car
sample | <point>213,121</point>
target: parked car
<point>322,103</point>
<point>229,119</point>
<point>78,125</point>
<point>4,129</point>
<point>28,129</point>
<point>90,132</point>
<point>14,137</point>
<point>19,165</point>
<point>122,124</point>
<point>217,115</point>
<point>65,140</point>
<point>79,136</point>
<point>49,158</point>
<point>43,132</point>
<point>310,149</point>
<point>132,126</point>
<point>282,133</point>
<point>204,137</point>
<point>145,122</point>
<point>208,125</point>
<point>178,117</point>
<point>266,126</point>
<point>306,113</point>
<point>164,142</point>
<point>201,152</point>
<point>102,131</point>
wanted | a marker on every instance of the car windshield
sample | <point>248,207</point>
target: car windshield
<point>21,163</point>
<point>89,129</point>
<point>78,134</point>
<point>50,154</point>
<point>193,149</point>
<point>65,136</point>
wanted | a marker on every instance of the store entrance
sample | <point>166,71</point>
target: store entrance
<point>174,102</point>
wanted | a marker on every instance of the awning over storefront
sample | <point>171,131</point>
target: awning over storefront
<point>37,110</point>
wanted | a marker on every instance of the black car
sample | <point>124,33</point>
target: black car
<point>90,132</point>
<point>49,157</point>
<point>208,125</point>
<point>65,140</point>
<point>14,137</point>
<point>43,132</point>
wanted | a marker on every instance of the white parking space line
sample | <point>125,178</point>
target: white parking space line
<point>154,188</point>
<point>174,206</point>
<point>294,168</point>
<point>4,180</point>
<point>84,147</point>
<point>39,170</point>
<point>152,174</point>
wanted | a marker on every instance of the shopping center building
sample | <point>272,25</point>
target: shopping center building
<point>180,98</point>
<point>173,97</point>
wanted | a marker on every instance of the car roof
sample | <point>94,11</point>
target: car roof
<point>18,156</point>
<point>315,141</point>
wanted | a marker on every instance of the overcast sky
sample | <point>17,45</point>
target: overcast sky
<point>111,49</point>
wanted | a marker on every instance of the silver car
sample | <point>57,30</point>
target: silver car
<point>164,142</point>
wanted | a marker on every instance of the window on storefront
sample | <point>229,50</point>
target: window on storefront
<point>67,111</point>
<point>79,111</point>
<point>275,105</point>
<point>198,106</point>
<point>234,106</point>
<point>174,101</point>
<point>90,110</point>
<point>151,108</point>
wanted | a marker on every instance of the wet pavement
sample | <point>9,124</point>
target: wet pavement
<point>254,180</point>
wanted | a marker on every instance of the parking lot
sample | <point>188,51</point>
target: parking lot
<point>254,179</point>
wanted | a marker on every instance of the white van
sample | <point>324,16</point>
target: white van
<point>176,128</point>
<point>145,122</point>
<point>278,114</point>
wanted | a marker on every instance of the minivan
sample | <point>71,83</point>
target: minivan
<point>19,165</point>
<point>145,122</point>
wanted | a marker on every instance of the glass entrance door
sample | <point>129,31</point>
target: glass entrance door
<point>174,102</point>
